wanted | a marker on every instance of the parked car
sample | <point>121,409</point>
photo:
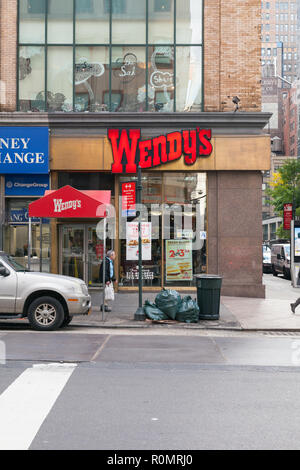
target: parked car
<point>49,301</point>
<point>267,265</point>
<point>280,259</point>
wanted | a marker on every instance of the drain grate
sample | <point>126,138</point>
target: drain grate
<point>281,333</point>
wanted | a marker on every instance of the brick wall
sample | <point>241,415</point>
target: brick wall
<point>232,48</point>
<point>8,59</point>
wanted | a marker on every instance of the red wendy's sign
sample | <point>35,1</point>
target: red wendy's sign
<point>69,202</point>
<point>129,151</point>
<point>287,216</point>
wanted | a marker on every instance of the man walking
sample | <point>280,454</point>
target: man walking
<point>109,275</point>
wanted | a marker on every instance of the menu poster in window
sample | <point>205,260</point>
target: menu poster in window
<point>179,260</point>
<point>128,199</point>
<point>132,241</point>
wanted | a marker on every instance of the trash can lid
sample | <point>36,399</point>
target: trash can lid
<point>208,276</point>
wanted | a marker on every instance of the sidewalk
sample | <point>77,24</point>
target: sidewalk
<point>125,305</point>
<point>236,313</point>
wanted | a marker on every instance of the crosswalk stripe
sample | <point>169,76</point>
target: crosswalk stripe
<point>25,404</point>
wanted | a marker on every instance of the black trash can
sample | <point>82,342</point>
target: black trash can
<point>208,296</point>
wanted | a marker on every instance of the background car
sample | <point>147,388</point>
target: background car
<point>267,265</point>
<point>280,259</point>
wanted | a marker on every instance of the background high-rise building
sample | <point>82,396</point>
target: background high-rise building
<point>280,30</point>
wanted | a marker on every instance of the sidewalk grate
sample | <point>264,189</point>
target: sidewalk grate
<point>281,333</point>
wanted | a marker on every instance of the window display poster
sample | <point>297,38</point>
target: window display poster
<point>297,241</point>
<point>128,199</point>
<point>132,241</point>
<point>179,260</point>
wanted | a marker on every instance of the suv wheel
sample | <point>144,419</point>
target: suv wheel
<point>46,314</point>
<point>66,321</point>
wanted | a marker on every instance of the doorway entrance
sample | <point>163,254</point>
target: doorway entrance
<point>81,252</point>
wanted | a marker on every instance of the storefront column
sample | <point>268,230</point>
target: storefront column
<point>54,231</point>
<point>235,231</point>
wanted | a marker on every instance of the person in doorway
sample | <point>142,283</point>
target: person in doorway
<point>109,275</point>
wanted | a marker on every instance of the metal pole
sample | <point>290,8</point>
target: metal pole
<point>139,314</point>
<point>29,244</point>
<point>103,265</point>
<point>41,245</point>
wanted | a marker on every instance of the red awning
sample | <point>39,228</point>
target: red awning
<point>68,202</point>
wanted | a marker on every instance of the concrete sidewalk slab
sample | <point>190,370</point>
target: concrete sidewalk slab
<point>263,314</point>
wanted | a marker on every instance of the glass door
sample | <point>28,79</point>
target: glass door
<point>94,256</point>
<point>82,252</point>
<point>72,251</point>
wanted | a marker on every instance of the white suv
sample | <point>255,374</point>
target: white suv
<point>280,259</point>
<point>49,301</point>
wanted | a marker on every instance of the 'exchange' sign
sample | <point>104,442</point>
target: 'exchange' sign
<point>24,150</point>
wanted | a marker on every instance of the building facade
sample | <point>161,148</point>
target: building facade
<point>280,29</point>
<point>172,71</point>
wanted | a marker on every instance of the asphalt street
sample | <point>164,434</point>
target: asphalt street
<point>135,391</point>
<point>119,389</point>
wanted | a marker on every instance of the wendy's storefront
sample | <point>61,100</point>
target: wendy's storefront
<point>201,197</point>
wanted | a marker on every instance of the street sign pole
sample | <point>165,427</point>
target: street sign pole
<point>139,314</point>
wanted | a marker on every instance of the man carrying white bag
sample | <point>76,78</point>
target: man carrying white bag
<point>109,294</point>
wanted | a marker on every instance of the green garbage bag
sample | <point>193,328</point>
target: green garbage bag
<point>152,312</point>
<point>188,311</point>
<point>168,302</point>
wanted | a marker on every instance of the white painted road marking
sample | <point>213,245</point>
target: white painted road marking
<point>25,404</point>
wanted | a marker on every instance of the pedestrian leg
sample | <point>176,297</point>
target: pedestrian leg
<point>295,305</point>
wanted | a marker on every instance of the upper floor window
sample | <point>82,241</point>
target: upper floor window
<point>84,6</point>
<point>36,6</point>
<point>162,5</point>
<point>110,55</point>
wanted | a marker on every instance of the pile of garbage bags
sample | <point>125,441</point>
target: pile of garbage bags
<point>169,305</point>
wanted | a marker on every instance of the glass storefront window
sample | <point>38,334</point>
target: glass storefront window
<point>60,78</point>
<point>16,236</point>
<point>31,78</point>
<point>188,22</point>
<point>184,227</point>
<point>124,53</point>
<point>128,79</point>
<point>161,79</point>
<point>134,14</point>
<point>92,22</point>
<point>161,21</point>
<point>188,78</point>
<point>91,78</point>
<point>175,204</point>
<point>60,22</point>
<point>152,269</point>
<point>32,21</point>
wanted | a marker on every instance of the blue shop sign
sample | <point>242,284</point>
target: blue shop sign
<point>20,216</point>
<point>24,150</point>
<point>26,185</point>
